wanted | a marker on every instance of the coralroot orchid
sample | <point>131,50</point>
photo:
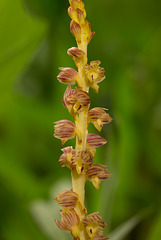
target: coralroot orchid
<point>80,159</point>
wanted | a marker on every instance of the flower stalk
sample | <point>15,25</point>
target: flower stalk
<point>80,160</point>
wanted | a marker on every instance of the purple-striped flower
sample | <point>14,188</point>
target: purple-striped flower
<point>98,117</point>
<point>75,100</point>
<point>68,76</point>
<point>69,223</point>
<point>77,55</point>
<point>93,222</point>
<point>95,173</point>
<point>82,160</point>
<point>94,141</point>
<point>65,158</point>
<point>70,199</point>
<point>67,199</point>
<point>64,130</point>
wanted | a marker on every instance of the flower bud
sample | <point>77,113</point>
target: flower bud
<point>75,100</point>
<point>73,14</point>
<point>67,199</point>
<point>81,15</point>
<point>77,55</point>
<point>68,76</point>
<point>77,4</point>
<point>64,130</point>
<point>76,30</point>
<point>74,3</point>
<point>77,14</point>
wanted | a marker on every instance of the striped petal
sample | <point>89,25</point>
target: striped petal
<point>65,158</point>
<point>68,76</point>
<point>98,117</point>
<point>93,222</point>
<point>77,55</point>
<point>97,172</point>
<point>69,222</point>
<point>64,130</point>
<point>94,140</point>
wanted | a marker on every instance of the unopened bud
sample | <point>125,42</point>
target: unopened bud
<point>75,30</point>
<point>77,55</point>
<point>68,76</point>
<point>64,130</point>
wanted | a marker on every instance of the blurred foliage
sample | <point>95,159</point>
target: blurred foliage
<point>34,39</point>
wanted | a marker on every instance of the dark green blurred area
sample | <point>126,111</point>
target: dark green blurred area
<point>34,39</point>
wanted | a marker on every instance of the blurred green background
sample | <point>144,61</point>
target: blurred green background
<point>34,38</point>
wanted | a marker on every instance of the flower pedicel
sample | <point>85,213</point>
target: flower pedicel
<point>74,217</point>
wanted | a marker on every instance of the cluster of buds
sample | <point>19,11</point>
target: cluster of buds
<point>74,217</point>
